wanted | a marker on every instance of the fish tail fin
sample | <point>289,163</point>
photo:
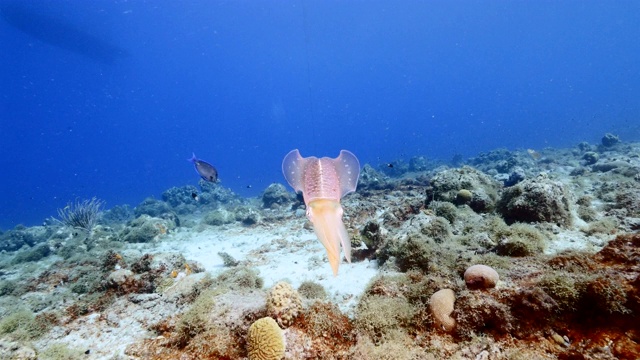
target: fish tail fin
<point>193,158</point>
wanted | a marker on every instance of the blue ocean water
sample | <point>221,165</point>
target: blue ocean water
<point>109,98</point>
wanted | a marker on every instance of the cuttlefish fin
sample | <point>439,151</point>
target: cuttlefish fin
<point>293,170</point>
<point>326,216</point>
<point>348,170</point>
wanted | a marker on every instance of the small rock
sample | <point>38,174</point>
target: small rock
<point>539,199</point>
<point>112,319</point>
<point>516,176</point>
<point>609,140</point>
<point>559,339</point>
<point>590,157</point>
<point>464,196</point>
<point>25,353</point>
<point>608,166</point>
<point>276,195</point>
<point>483,355</point>
<point>584,146</point>
<point>119,277</point>
<point>140,298</point>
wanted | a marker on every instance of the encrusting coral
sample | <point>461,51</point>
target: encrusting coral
<point>284,304</point>
<point>265,340</point>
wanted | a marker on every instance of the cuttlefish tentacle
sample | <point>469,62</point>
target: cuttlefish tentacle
<point>326,216</point>
<point>323,182</point>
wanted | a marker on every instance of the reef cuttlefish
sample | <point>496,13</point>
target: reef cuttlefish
<point>323,183</point>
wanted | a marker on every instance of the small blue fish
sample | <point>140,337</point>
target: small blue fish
<point>204,169</point>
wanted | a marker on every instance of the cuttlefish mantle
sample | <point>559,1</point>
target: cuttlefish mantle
<point>323,182</point>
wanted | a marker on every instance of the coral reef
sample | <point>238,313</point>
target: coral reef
<point>401,348</point>
<point>445,210</point>
<point>418,163</point>
<point>629,200</point>
<point>195,320</point>
<point>61,352</point>
<point>517,175</point>
<point>372,236</point>
<point>414,253</point>
<point>564,288</point>
<point>499,161</point>
<point>559,275</point>
<point>22,325</point>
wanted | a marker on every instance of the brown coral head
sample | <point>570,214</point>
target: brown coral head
<point>480,277</point>
<point>441,306</point>
<point>265,340</point>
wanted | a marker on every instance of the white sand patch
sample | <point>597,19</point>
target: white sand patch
<point>285,252</point>
<point>576,240</point>
<point>108,333</point>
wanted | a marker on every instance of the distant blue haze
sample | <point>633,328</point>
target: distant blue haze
<point>241,83</point>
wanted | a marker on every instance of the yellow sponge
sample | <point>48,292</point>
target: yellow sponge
<point>265,340</point>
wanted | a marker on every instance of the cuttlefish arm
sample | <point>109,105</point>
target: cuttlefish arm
<point>323,182</point>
